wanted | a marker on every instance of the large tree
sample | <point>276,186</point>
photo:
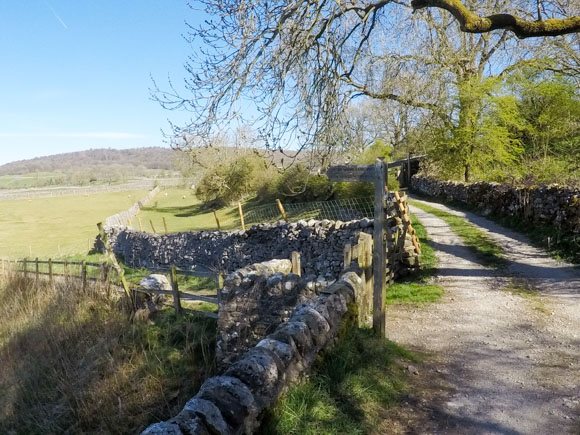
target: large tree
<point>293,68</point>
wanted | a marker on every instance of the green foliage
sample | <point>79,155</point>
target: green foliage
<point>351,387</point>
<point>232,180</point>
<point>484,141</point>
<point>297,184</point>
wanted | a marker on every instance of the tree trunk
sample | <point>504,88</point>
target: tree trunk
<point>466,174</point>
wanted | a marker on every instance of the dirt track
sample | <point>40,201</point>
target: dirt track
<point>497,361</point>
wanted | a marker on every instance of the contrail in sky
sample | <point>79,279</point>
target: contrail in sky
<point>56,16</point>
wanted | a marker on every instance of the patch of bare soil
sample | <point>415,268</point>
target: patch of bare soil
<point>502,348</point>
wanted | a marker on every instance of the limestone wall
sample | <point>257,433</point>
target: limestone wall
<point>549,205</point>
<point>232,402</point>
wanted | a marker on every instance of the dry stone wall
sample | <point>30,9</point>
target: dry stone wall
<point>122,218</point>
<point>549,205</point>
<point>232,402</point>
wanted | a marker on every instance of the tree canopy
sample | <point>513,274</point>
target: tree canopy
<point>293,69</point>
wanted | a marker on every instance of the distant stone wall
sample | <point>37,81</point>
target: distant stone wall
<point>549,205</point>
<point>123,218</point>
<point>232,403</point>
<point>320,244</point>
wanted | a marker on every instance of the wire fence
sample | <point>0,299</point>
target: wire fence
<point>343,210</point>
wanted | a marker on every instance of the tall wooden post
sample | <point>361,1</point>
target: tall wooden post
<point>165,225</point>
<point>140,223</point>
<point>25,262</point>
<point>409,171</point>
<point>36,271</point>
<point>379,264</point>
<point>152,227</point>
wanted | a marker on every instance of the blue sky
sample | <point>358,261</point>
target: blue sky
<point>75,74</point>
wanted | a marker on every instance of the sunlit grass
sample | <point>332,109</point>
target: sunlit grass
<point>489,252</point>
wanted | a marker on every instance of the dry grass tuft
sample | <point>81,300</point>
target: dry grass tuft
<point>71,361</point>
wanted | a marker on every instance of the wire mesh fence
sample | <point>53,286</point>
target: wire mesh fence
<point>343,210</point>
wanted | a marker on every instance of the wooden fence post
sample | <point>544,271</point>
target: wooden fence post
<point>84,274</point>
<point>241,215</point>
<point>347,255</point>
<point>296,266</point>
<point>175,290</point>
<point>152,227</point>
<point>140,223</point>
<point>50,270</point>
<point>217,221</point>
<point>36,270</point>
<point>282,211</point>
<point>379,264</point>
<point>219,280</point>
<point>165,225</point>
<point>25,262</point>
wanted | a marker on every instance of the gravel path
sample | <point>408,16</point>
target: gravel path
<point>499,362</point>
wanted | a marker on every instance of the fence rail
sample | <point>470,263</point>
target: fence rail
<point>104,272</point>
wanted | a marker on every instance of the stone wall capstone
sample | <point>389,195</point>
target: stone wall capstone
<point>232,402</point>
<point>549,205</point>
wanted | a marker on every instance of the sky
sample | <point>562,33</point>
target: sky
<point>76,74</point>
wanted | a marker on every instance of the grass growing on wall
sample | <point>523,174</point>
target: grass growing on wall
<point>418,288</point>
<point>351,387</point>
<point>55,227</point>
<point>489,252</point>
<point>73,362</point>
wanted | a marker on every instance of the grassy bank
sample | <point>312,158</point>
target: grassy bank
<point>351,388</point>
<point>54,227</point>
<point>475,239</point>
<point>418,288</point>
<point>73,362</point>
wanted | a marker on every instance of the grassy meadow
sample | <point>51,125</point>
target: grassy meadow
<point>53,227</point>
<point>184,212</point>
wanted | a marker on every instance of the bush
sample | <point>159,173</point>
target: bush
<point>297,184</point>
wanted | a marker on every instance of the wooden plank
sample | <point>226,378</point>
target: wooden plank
<point>347,255</point>
<point>379,251</point>
<point>351,173</point>
<point>296,266</point>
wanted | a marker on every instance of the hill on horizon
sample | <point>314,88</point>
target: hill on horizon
<point>156,158</point>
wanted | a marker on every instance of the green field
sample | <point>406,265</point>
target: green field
<point>53,227</point>
<point>184,212</point>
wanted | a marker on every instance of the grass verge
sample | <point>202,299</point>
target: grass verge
<point>489,253</point>
<point>418,288</point>
<point>523,288</point>
<point>72,362</point>
<point>351,388</point>
<point>560,245</point>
